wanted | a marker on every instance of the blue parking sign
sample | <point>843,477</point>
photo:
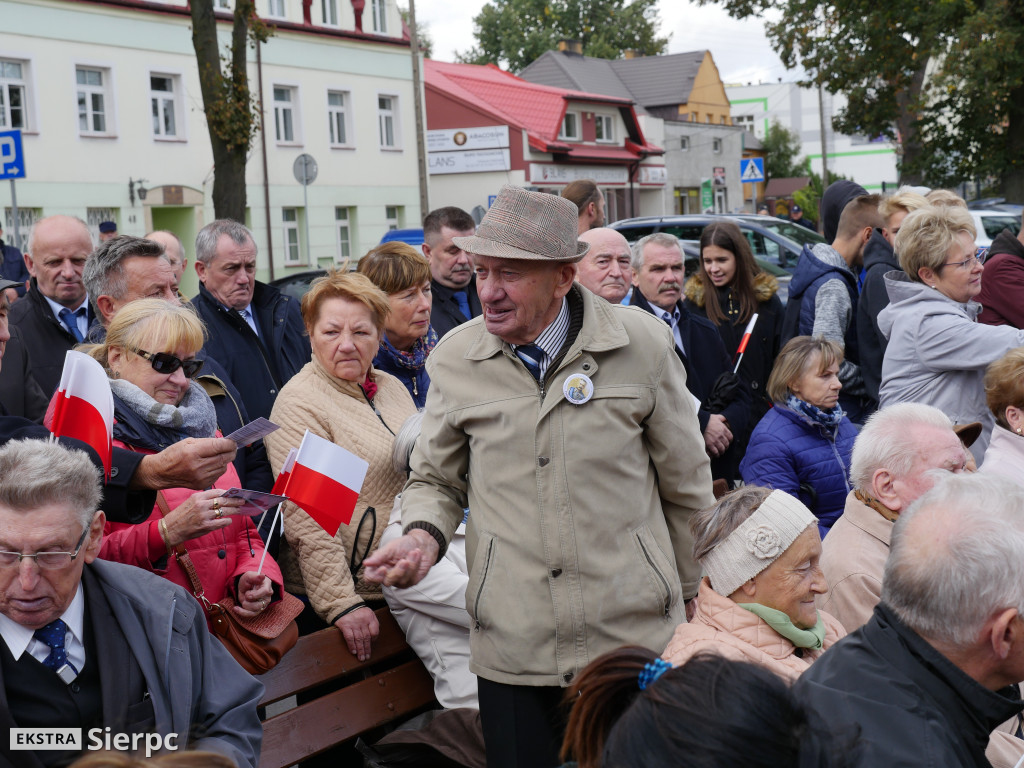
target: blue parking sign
<point>12,160</point>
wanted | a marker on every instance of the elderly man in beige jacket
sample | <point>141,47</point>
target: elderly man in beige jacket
<point>565,423</point>
<point>894,462</point>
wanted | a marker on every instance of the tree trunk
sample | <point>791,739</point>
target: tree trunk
<point>226,103</point>
<point>906,123</point>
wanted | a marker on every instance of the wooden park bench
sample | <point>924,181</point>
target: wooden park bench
<point>349,697</point>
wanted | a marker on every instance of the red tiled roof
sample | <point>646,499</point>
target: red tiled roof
<point>538,109</point>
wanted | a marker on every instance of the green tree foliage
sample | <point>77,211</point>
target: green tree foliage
<point>943,79</point>
<point>512,33</point>
<point>232,116</point>
<point>782,154</point>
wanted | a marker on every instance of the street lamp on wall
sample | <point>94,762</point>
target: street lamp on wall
<point>135,187</point>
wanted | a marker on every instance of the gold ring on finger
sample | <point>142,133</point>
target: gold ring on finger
<point>217,513</point>
<point>216,504</point>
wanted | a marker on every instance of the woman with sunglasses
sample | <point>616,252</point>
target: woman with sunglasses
<point>937,351</point>
<point>150,356</point>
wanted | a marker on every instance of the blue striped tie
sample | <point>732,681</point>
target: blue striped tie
<point>531,355</point>
<point>53,635</point>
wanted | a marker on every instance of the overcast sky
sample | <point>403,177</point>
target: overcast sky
<point>740,48</point>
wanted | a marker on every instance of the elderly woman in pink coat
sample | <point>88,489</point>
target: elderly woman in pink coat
<point>760,551</point>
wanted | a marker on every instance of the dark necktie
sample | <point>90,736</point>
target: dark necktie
<point>70,320</point>
<point>463,301</point>
<point>53,635</point>
<point>531,355</point>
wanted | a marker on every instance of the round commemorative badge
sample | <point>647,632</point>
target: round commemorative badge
<point>578,388</point>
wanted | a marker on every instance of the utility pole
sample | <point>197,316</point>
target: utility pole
<point>824,138</point>
<point>417,90</point>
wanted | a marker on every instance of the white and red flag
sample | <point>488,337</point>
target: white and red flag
<point>325,481</point>
<point>83,407</point>
<point>281,483</point>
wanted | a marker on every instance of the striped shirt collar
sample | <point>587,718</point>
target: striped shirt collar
<point>553,337</point>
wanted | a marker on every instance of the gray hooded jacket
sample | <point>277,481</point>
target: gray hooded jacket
<point>937,353</point>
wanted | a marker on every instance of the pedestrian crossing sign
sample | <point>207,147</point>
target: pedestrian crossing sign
<point>752,169</point>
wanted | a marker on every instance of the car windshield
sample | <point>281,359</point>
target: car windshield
<point>794,232</point>
<point>993,225</point>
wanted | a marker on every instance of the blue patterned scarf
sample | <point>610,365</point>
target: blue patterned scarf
<point>415,358</point>
<point>829,419</point>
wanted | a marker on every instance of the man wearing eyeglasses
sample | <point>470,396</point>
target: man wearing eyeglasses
<point>94,645</point>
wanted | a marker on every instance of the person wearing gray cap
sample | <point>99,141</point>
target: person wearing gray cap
<point>564,424</point>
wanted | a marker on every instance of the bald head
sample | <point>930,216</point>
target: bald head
<point>57,250</point>
<point>173,250</point>
<point>954,561</point>
<point>605,270</point>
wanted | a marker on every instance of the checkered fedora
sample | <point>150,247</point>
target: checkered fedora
<point>527,225</point>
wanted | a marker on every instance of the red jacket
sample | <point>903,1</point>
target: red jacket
<point>142,546</point>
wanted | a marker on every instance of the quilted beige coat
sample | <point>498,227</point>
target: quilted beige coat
<point>312,562</point>
<point>721,626</point>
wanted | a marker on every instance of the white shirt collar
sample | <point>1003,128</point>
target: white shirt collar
<point>18,637</point>
<point>56,308</point>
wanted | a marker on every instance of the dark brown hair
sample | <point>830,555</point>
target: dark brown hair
<point>395,267</point>
<point>728,236</point>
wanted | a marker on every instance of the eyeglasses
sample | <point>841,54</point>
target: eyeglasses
<point>48,561</point>
<point>165,363</point>
<point>969,261</point>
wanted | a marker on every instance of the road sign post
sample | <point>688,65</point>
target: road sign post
<point>12,166</point>
<point>306,171</point>
<point>752,172</point>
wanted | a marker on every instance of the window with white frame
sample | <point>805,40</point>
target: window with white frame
<point>164,91</point>
<point>684,143</point>
<point>570,127</point>
<point>222,5</point>
<point>285,102</point>
<point>379,14</point>
<point>604,128</point>
<point>338,117</point>
<point>93,84</point>
<point>275,8</point>
<point>330,12</point>
<point>744,121</point>
<point>290,221</point>
<point>716,145</point>
<point>93,218</point>
<point>27,217</point>
<point>393,216</point>
<point>387,120</point>
<point>343,226</point>
<point>13,92</point>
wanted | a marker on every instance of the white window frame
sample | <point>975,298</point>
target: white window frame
<point>93,217</point>
<point>684,143</point>
<point>329,9</point>
<point>393,216</point>
<point>177,99</point>
<point>344,221</point>
<point>345,113</point>
<point>223,5</point>
<point>107,90</point>
<point>273,6</point>
<point>716,146</point>
<point>564,134</point>
<point>609,122</point>
<point>394,112</point>
<point>27,93</point>
<point>290,230</point>
<point>379,16</point>
<point>294,106</point>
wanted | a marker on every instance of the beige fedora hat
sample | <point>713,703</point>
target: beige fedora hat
<point>527,225</point>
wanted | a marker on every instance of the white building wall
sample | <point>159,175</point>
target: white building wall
<point>867,162</point>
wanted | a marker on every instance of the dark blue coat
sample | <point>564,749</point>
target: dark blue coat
<point>705,359</point>
<point>416,382</point>
<point>257,366</point>
<point>13,266</point>
<point>812,273</point>
<point>790,453</point>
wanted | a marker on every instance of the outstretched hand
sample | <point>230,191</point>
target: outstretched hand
<point>403,562</point>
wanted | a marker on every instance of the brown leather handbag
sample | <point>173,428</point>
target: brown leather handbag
<point>257,643</point>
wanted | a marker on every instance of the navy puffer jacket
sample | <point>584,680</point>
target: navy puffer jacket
<point>788,452</point>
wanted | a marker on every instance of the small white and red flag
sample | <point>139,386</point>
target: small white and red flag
<point>325,481</point>
<point>281,483</point>
<point>743,342</point>
<point>83,407</point>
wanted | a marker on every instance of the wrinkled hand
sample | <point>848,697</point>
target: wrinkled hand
<point>359,629</point>
<point>404,561</point>
<point>199,514</point>
<point>254,594</point>
<point>717,435</point>
<point>192,463</point>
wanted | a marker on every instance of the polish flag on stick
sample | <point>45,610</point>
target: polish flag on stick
<point>280,489</point>
<point>743,342</point>
<point>83,407</point>
<point>325,481</point>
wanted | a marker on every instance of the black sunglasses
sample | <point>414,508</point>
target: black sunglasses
<point>165,363</point>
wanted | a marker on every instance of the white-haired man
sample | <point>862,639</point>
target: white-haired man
<point>893,463</point>
<point>934,670</point>
<point>607,268</point>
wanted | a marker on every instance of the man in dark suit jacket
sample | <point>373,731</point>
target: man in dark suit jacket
<point>658,289</point>
<point>256,332</point>
<point>451,271</point>
<point>96,645</point>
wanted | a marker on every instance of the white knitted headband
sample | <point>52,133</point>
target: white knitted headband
<point>757,542</point>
